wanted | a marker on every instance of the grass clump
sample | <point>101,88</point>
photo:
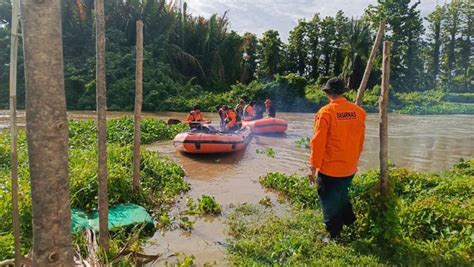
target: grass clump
<point>206,205</point>
<point>264,239</point>
<point>425,220</point>
<point>83,133</point>
<point>296,188</point>
<point>303,142</point>
<point>270,152</point>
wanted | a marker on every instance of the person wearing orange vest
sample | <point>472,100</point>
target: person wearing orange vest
<point>240,108</point>
<point>249,111</point>
<point>195,118</point>
<point>232,119</point>
<point>339,133</point>
<point>270,108</point>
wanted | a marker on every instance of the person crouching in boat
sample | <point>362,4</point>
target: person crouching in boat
<point>232,120</point>
<point>249,111</point>
<point>222,116</point>
<point>195,118</point>
<point>240,108</point>
<point>270,108</point>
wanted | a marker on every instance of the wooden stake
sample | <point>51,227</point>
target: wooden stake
<point>101,124</point>
<point>383,112</point>
<point>138,106</point>
<point>13,129</point>
<point>47,132</point>
<point>370,62</point>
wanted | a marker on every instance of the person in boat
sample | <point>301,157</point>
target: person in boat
<point>195,118</point>
<point>222,116</point>
<point>339,133</point>
<point>259,110</point>
<point>232,120</point>
<point>270,108</point>
<point>249,111</point>
<point>240,108</point>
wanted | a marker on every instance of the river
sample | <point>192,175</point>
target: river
<point>425,143</point>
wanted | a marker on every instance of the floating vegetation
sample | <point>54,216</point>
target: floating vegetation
<point>206,205</point>
<point>267,151</point>
<point>303,142</point>
<point>427,220</point>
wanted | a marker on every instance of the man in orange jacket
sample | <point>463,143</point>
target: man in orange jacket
<point>195,118</point>
<point>339,132</point>
<point>232,119</point>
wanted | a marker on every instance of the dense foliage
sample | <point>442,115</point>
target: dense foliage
<point>161,179</point>
<point>427,220</point>
<point>191,59</point>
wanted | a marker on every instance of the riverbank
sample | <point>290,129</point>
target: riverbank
<point>427,220</point>
<point>161,180</point>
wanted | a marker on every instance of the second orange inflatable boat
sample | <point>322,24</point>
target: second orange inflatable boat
<point>204,141</point>
<point>267,125</point>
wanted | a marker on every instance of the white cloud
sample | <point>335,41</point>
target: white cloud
<point>260,15</point>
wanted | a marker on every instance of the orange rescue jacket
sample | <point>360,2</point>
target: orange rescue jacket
<point>194,116</point>
<point>339,133</point>
<point>231,119</point>
<point>249,111</point>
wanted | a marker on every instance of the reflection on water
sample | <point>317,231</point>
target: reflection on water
<point>425,143</point>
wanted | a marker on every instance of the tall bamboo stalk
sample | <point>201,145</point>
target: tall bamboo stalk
<point>383,112</point>
<point>47,132</point>
<point>370,62</point>
<point>13,129</point>
<point>138,106</point>
<point>101,124</point>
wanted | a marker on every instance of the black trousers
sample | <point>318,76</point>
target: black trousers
<point>334,197</point>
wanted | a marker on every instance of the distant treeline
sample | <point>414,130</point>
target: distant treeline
<point>189,57</point>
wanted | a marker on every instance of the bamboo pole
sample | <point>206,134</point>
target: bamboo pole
<point>13,129</point>
<point>383,113</point>
<point>101,124</point>
<point>370,62</point>
<point>138,106</point>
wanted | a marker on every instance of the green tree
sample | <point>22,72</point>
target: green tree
<point>465,64</point>
<point>434,46</point>
<point>270,55</point>
<point>314,46</point>
<point>451,30</point>
<point>341,26</point>
<point>327,40</point>
<point>405,30</point>
<point>298,49</point>
<point>356,46</point>
<point>249,57</point>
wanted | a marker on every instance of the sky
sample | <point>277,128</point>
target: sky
<point>258,16</point>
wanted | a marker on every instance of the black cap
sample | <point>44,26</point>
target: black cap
<point>225,107</point>
<point>196,107</point>
<point>335,86</point>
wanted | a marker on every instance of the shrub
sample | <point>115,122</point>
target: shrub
<point>288,241</point>
<point>459,97</point>
<point>425,220</point>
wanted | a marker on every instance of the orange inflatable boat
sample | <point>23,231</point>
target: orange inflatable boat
<point>209,141</point>
<point>267,125</point>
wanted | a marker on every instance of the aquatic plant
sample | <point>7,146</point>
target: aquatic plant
<point>204,205</point>
<point>83,133</point>
<point>161,179</point>
<point>270,152</point>
<point>303,142</point>
<point>427,220</point>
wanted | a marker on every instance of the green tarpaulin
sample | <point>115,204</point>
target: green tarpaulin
<point>120,216</point>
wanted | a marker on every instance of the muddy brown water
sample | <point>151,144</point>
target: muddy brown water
<point>425,143</point>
